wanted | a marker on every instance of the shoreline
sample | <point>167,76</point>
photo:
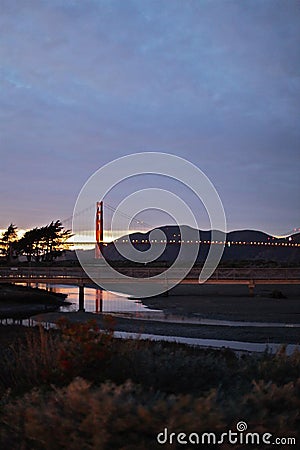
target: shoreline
<point>221,332</point>
<point>191,304</point>
<point>20,302</point>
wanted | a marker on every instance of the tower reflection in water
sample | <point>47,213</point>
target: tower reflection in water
<point>96,300</point>
<point>99,301</point>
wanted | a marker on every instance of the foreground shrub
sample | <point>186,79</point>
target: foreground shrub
<point>272,407</point>
<point>83,347</point>
<point>185,389</point>
<point>128,417</point>
<point>54,356</point>
<point>171,367</point>
<point>30,360</point>
<point>107,417</point>
<point>279,368</point>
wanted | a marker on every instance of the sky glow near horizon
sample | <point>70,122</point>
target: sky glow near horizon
<point>215,82</point>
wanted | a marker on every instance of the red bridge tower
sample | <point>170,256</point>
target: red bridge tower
<point>99,229</point>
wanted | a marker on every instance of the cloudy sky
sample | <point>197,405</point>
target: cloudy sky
<point>217,82</point>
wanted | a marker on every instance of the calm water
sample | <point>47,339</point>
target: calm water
<point>97,300</point>
<point>213,343</point>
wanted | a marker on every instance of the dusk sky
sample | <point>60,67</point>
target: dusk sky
<point>217,82</point>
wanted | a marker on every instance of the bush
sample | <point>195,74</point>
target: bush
<point>81,416</point>
<point>83,348</point>
<point>55,356</point>
<point>106,417</point>
<point>183,388</point>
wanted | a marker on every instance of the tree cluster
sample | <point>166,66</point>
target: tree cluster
<point>38,244</point>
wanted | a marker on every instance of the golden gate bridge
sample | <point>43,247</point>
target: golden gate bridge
<point>102,232</point>
<point>101,214</point>
<point>97,232</point>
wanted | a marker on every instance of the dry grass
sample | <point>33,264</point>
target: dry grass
<point>56,393</point>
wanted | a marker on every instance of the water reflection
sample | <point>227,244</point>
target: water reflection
<point>96,300</point>
<point>214,343</point>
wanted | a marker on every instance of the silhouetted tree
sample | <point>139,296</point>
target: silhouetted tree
<point>7,242</point>
<point>29,244</point>
<point>54,240</point>
<point>44,243</point>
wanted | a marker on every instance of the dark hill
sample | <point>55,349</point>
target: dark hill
<point>249,245</point>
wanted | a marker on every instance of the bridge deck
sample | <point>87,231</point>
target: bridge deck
<point>77,276</point>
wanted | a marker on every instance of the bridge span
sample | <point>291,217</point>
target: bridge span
<point>77,276</point>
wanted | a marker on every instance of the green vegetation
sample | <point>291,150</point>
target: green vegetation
<point>38,244</point>
<point>79,388</point>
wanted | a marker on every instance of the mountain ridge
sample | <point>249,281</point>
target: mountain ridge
<point>240,245</point>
